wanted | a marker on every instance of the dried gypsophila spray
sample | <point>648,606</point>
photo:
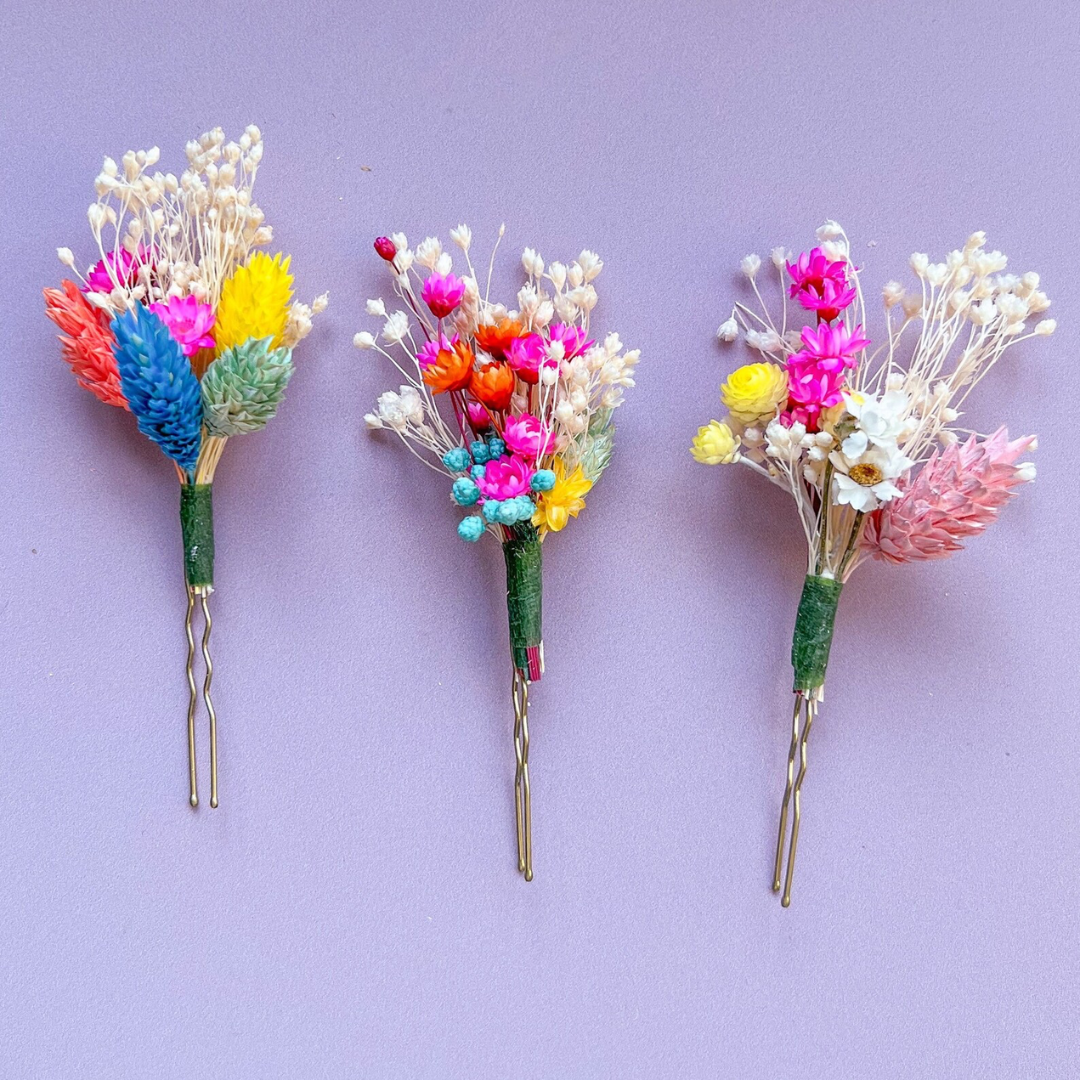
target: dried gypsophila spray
<point>185,324</point>
<point>866,442</point>
<point>525,430</point>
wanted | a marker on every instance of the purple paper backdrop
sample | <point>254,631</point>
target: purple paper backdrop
<point>353,908</point>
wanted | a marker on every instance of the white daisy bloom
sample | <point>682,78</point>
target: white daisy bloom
<point>865,481</point>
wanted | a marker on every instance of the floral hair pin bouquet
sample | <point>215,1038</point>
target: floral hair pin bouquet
<point>515,407</point>
<point>183,322</point>
<point>864,441</point>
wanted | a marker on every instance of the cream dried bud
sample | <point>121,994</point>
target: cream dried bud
<point>364,340</point>
<point>750,265</point>
<point>728,330</point>
<point>376,308</point>
<point>462,236</point>
<point>67,256</point>
<point>1045,327</point>
<point>892,293</point>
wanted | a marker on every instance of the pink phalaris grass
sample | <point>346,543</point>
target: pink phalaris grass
<point>821,284</point>
<point>86,342</point>
<point>956,494</point>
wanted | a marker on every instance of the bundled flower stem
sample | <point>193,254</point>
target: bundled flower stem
<point>186,324</point>
<point>866,442</point>
<point>524,429</point>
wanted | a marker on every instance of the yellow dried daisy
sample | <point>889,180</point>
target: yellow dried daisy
<point>753,392</point>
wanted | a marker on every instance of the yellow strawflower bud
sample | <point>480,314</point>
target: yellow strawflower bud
<point>715,444</point>
<point>753,392</point>
<point>254,302</point>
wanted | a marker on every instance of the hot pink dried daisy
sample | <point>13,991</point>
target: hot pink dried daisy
<point>525,434</point>
<point>429,351</point>
<point>572,338</point>
<point>442,293</point>
<point>118,267</point>
<point>956,494</point>
<point>821,284</point>
<point>829,347</point>
<point>189,321</point>
<point>505,478</point>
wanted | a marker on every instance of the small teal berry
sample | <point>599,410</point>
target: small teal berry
<point>491,510</point>
<point>477,472</point>
<point>508,512</point>
<point>496,447</point>
<point>526,507</point>
<point>479,452</point>
<point>543,480</point>
<point>465,491</point>
<point>470,528</point>
<point>457,460</point>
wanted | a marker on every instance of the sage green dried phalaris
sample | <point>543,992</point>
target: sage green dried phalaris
<point>244,386</point>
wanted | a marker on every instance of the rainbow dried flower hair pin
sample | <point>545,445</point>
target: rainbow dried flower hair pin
<point>183,322</point>
<point>524,430</point>
<point>866,443</point>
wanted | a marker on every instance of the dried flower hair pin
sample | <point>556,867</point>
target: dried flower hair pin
<point>182,322</point>
<point>866,444</point>
<point>526,429</point>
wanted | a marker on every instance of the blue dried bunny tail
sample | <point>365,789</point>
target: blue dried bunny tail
<point>159,384</point>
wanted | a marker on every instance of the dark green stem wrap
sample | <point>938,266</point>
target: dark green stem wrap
<point>814,631</point>
<point>197,526</point>
<point>524,587</point>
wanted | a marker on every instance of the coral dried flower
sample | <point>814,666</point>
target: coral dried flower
<point>493,385</point>
<point>451,370</point>
<point>495,338</point>
<point>87,342</point>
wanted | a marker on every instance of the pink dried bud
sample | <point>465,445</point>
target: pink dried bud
<point>385,247</point>
<point>956,494</point>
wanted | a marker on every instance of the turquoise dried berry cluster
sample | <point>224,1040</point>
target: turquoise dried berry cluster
<point>470,489</point>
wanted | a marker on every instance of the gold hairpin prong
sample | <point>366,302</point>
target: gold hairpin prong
<point>207,625</point>
<point>782,837</point>
<point>793,793</point>
<point>522,794</point>
<point>192,698</point>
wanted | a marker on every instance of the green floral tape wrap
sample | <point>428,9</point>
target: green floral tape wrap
<point>524,587</point>
<point>814,631</point>
<point>197,526</point>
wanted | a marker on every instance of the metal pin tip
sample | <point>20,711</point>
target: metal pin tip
<point>786,902</point>
<point>213,804</point>
<point>776,885</point>
<point>528,875</point>
<point>194,800</point>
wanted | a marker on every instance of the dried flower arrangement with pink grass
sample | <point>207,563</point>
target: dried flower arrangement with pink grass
<point>866,443</point>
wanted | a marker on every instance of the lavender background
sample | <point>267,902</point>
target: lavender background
<point>353,908</point>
